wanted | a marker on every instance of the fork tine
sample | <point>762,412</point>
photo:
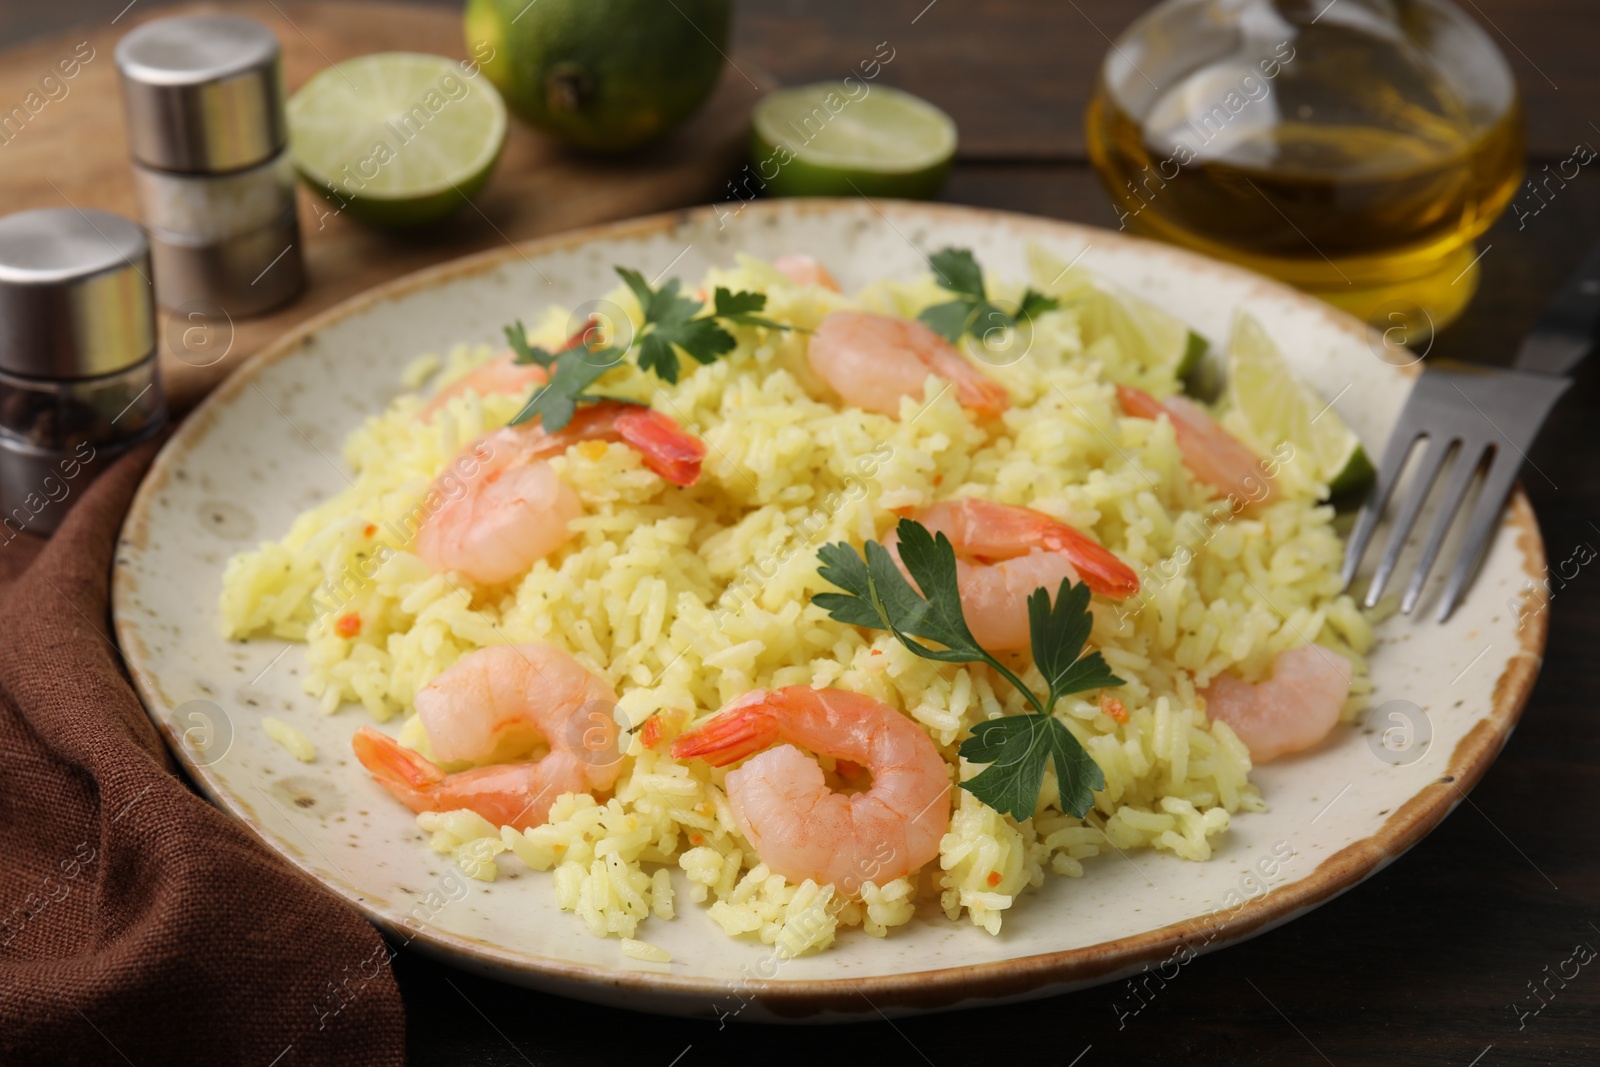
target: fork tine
<point>1394,460</point>
<point>1469,458</point>
<point>1485,517</point>
<point>1437,450</point>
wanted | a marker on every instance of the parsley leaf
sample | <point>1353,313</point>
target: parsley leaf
<point>575,370</point>
<point>1034,304</point>
<point>1058,635</point>
<point>1019,747</point>
<point>881,598</point>
<point>1016,748</point>
<point>656,355</point>
<point>931,559</point>
<point>523,352</point>
<point>958,272</point>
<point>739,308</point>
<point>972,312</point>
<point>859,604</point>
<point>652,302</point>
<point>948,320</point>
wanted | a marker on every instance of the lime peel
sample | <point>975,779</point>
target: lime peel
<point>830,140</point>
<point>1273,406</point>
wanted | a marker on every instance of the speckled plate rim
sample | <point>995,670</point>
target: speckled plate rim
<point>911,991</point>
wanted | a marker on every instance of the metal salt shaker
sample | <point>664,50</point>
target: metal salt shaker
<point>204,99</point>
<point>78,376</point>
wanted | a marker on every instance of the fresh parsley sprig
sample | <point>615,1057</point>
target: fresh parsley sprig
<point>1017,747</point>
<point>672,323</point>
<point>972,311</point>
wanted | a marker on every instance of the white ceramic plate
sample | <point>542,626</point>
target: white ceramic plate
<point>265,445</point>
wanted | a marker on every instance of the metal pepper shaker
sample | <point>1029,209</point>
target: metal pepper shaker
<point>78,372</point>
<point>206,126</point>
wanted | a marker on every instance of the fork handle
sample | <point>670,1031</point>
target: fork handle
<point>1565,332</point>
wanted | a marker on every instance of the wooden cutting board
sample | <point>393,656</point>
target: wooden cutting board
<point>72,151</point>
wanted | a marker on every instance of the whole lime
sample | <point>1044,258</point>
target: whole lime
<point>604,75</point>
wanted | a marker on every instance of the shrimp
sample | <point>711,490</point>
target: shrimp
<point>1211,453</point>
<point>1294,709</point>
<point>806,270</point>
<point>498,702</point>
<point>514,509</point>
<point>872,361</point>
<point>495,704</point>
<point>503,374</point>
<point>1004,553</point>
<point>802,829</point>
<point>518,795</point>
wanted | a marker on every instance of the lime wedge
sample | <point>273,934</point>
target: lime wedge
<point>1158,347</point>
<point>1275,407</point>
<point>819,140</point>
<point>396,139</point>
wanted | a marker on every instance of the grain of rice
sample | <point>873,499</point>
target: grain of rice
<point>643,950</point>
<point>298,744</point>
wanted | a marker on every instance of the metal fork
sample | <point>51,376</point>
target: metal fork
<point>1480,419</point>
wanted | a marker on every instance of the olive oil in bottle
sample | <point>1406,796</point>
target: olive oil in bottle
<point>1354,150</point>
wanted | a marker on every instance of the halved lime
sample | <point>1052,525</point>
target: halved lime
<point>1277,407</point>
<point>831,139</point>
<point>1157,344</point>
<point>396,139</point>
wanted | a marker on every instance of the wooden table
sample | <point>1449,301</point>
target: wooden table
<point>1418,966</point>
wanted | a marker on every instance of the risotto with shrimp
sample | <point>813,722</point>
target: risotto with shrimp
<point>665,605</point>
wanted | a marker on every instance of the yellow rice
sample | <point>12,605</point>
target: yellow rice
<point>686,598</point>
<point>294,742</point>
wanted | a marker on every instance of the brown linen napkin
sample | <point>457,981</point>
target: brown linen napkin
<point>138,924</point>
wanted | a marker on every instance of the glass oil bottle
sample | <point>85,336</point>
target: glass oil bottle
<point>1354,149</point>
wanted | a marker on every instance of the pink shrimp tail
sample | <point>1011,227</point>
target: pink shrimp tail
<point>666,448</point>
<point>979,394</point>
<point>975,391</point>
<point>394,766</point>
<point>1101,571</point>
<point>1139,404</point>
<point>986,523</point>
<point>742,729</point>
